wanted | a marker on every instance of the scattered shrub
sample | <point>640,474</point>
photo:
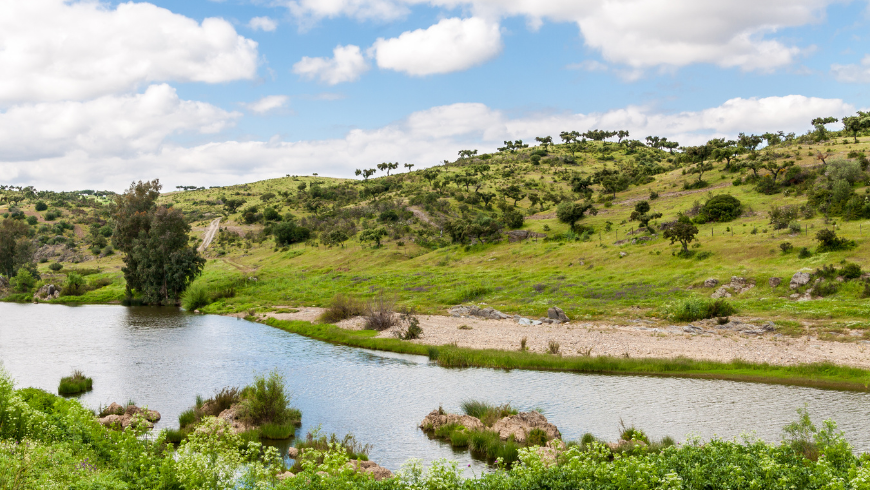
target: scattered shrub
<point>74,284</point>
<point>341,308</point>
<point>786,247</point>
<point>553,347</point>
<point>317,444</point>
<point>75,384</point>
<point>851,270</point>
<point>825,288</point>
<point>409,326</point>
<point>266,401</point>
<point>721,208</point>
<point>804,253</point>
<point>379,314</point>
<point>692,309</point>
<point>56,266</point>
<point>41,206</point>
<point>829,241</point>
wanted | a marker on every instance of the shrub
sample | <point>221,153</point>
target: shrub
<point>804,253</point>
<point>266,401</point>
<point>23,281</point>
<point>409,326</point>
<point>74,285</point>
<point>56,266</point>
<point>553,347</point>
<point>653,195</point>
<point>195,297</point>
<point>829,241</point>
<point>287,233</point>
<point>632,434</point>
<point>794,227</point>
<point>692,309</point>
<point>486,413</point>
<point>379,314</point>
<point>825,288</point>
<point>721,208</point>
<point>786,247</point>
<point>75,384</point>
<point>781,216</point>
<point>317,444</point>
<point>341,308</point>
<point>513,219</point>
<point>41,206</point>
<point>536,437</point>
<point>851,270</point>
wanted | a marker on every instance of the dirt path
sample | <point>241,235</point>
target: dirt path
<point>639,339</point>
<point>209,234</point>
<point>421,215</point>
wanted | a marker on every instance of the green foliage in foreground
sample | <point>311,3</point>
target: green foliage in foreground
<point>48,442</point>
<point>820,375</point>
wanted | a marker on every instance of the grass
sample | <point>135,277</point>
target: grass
<point>691,309</point>
<point>75,384</point>
<point>488,414</point>
<point>315,440</point>
<point>821,375</point>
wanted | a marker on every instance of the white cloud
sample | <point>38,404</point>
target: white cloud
<point>263,24</point>
<point>110,155</point>
<point>853,73</point>
<point>107,127</point>
<point>450,45</point>
<point>588,65</point>
<point>268,103</point>
<point>60,50</point>
<point>636,33</point>
<point>346,65</point>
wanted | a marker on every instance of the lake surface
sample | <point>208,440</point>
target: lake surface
<point>163,358</point>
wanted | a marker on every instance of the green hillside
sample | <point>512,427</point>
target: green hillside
<point>299,240</point>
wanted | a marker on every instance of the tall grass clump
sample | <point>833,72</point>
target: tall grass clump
<point>341,308</point>
<point>75,384</point>
<point>691,309</point>
<point>196,297</point>
<point>266,404</point>
<point>317,441</point>
<point>487,414</point>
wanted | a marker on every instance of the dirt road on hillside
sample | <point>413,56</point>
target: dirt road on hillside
<point>209,234</point>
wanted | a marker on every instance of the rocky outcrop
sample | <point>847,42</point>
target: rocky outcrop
<point>284,476</point>
<point>438,418</point>
<point>490,313</point>
<point>518,426</point>
<point>748,328</point>
<point>117,416</point>
<point>49,291</point>
<point>556,313</point>
<point>774,282</point>
<point>711,283</point>
<point>737,285</point>
<point>799,279</point>
<point>520,235</point>
<point>233,417</point>
<point>378,472</point>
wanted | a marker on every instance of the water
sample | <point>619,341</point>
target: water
<point>163,358</point>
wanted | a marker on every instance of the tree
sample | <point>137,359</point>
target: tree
<point>288,232</point>
<point>773,138</point>
<point>387,166</point>
<point>776,169</point>
<point>569,137</point>
<point>750,143</point>
<point>544,140</point>
<point>463,154</point>
<point>16,250</point>
<point>335,237</point>
<point>821,130</point>
<point>409,166</point>
<point>654,141</point>
<point>571,212</point>
<point>621,134</point>
<point>534,199</point>
<point>682,231</point>
<point>159,263</point>
<point>642,215</point>
<point>856,124</point>
<point>373,235</point>
<point>581,185</point>
<point>725,150</point>
<point>514,192</point>
<point>366,173</point>
<point>671,146</point>
<point>431,174</point>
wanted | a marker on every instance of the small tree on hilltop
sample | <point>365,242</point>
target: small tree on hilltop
<point>373,235</point>
<point>682,231</point>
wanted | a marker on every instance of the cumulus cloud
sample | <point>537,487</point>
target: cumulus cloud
<point>54,50</point>
<point>97,155</point>
<point>263,24</point>
<point>636,33</point>
<point>854,73</point>
<point>107,127</point>
<point>268,103</point>
<point>346,65</point>
<point>450,45</point>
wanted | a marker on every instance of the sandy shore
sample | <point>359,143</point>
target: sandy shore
<point>702,341</point>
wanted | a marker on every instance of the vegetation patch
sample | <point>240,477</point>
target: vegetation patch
<point>75,384</point>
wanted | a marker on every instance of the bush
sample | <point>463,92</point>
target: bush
<point>56,266</point>
<point>74,284</point>
<point>781,216</point>
<point>23,281</point>
<point>692,309</point>
<point>195,297</point>
<point>41,206</point>
<point>825,288</point>
<point>721,208</point>
<point>75,384</point>
<point>513,219</point>
<point>287,233</point>
<point>341,308</point>
<point>536,437</point>
<point>379,314</point>
<point>851,271</point>
<point>786,247</point>
<point>266,401</point>
<point>409,326</point>
<point>829,241</point>
<point>316,444</point>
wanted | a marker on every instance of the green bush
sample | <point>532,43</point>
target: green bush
<point>75,384</point>
<point>341,308</point>
<point>196,296</point>
<point>721,208</point>
<point>23,281</point>
<point>851,270</point>
<point>830,242</point>
<point>692,309</point>
<point>41,206</point>
<point>56,266</point>
<point>266,401</point>
<point>74,284</point>
<point>536,437</point>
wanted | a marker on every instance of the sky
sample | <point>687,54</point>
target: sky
<point>96,95</point>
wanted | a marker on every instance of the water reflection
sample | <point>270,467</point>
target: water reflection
<point>163,358</point>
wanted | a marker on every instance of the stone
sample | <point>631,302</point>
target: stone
<point>521,424</point>
<point>232,416</point>
<point>774,281</point>
<point>520,235</point>
<point>116,416</point>
<point>721,293</point>
<point>489,313</point>
<point>284,476</point>
<point>525,321</point>
<point>437,418</point>
<point>622,254</point>
<point>799,279</point>
<point>378,472</point>
<point>113,408</point>
<point>48,291</point>
<point>293,453</point>
<point>556,313</point>
<point>711,283</point>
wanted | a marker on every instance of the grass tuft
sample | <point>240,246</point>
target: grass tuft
<point>75,384</point>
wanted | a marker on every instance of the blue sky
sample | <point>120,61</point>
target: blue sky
<point>202,92</point>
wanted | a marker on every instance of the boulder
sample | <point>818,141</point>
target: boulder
<point>378,472</point>
<point>437,418</point>
<point>721,293</point>
<point>799,279</point>
<point>489,313</point>
<point>284,476</point>
<point>774,281</point>
<point>120,417</point>
<point>556,313</point>
<point>47,292</point>
<point>521,424</point>
<point>736,286</point>
<point>113,408</point>
<point>622,254</point>
<point>711,283</point>
<point>293,453</point>
<point>232,416</point>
